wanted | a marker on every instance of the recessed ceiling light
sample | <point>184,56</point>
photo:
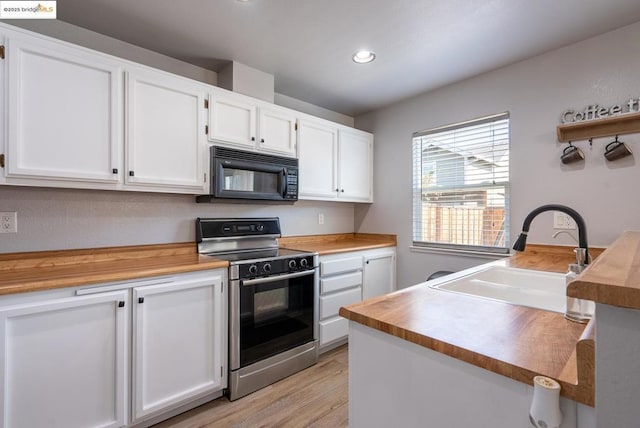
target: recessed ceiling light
<point>363,56</point>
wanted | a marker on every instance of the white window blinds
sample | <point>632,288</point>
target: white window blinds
<point>461,185</point>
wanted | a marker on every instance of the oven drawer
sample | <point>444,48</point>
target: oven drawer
<point>330,305</point>
<point>329,267</point>
<point>340,282</point>
<point>333,329</point>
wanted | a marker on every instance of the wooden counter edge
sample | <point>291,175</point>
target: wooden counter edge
<point>335,237</point>
<point>90,279</point>
<point>586,365</point>
<point>49,258</point>
<point>614,277</point>
<point>338,242</point>
<point>581,366</point>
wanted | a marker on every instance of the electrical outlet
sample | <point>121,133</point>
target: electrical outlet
<point>9,222</point>
<point>563,221</point>
<point>320,218</point>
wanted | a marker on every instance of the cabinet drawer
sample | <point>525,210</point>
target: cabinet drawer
<point>340,265</point>
<point>333,329</point>
<point>340,282</point>
<point>330,305</point>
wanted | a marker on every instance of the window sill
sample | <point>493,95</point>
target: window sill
<point>458,252</point>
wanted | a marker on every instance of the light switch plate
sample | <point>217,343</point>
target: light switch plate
<point>9,222</point>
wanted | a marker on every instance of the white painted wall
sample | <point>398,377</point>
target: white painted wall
<point>313,110</point>
<point>50,219</point>
<point>247,80</point>
<point>602,70</point>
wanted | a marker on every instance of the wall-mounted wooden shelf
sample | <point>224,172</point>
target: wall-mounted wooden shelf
<point>616,125</point>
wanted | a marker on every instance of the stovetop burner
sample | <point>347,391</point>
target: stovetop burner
<point>250,246</point>
<point>258,255</point>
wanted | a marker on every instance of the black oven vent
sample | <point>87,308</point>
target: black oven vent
<point>224,152</point>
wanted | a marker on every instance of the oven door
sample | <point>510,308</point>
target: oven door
<point>270,315</point>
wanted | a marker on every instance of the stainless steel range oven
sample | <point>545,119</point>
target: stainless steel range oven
<point>272,304</point>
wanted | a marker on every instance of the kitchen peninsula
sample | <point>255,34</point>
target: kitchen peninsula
<point>440,352</point>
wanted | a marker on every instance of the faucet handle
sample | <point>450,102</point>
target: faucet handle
<point>581,255</point>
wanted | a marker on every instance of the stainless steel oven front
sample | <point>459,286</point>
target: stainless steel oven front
<point>272,323</point>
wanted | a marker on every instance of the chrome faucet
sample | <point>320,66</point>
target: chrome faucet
<point>521,242</point>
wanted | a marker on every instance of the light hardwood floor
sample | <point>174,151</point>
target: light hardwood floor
<point>316,397</point>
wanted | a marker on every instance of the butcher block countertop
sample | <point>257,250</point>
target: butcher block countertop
<point>338,243</point>
<point>614,278</point>
<point>511,340</point>
<point>45,270</point>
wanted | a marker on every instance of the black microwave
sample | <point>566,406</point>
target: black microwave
<point>238,176</point>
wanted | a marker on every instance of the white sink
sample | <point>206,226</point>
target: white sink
<point>536,289</point>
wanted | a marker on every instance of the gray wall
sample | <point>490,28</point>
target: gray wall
<point>50,219</point>
<point>602,70</point>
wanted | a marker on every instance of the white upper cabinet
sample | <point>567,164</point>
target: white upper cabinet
<point>79,118</point>
<point>243,122</point>
<point>355,166</point>
<point>336,162</point>
<point>318,160</point>
<point>165,131</point>
<point>277,127</point>
<point>232,119</point>
<point>64,112</point>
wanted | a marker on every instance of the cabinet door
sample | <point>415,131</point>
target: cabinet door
<point>179,343</point>
<point>62,363</point>
<point>64,109</point>
<point>379,276</point>
<point>355,166</point>
<point>165,132</point>
<point>277,131</point>
<point>232,120</point>
<point>318,160</point>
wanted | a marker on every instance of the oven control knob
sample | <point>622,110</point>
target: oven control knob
<point>266,267</point>
<point>253,269</point>
<point>304,263</point>
<point>292,264</point>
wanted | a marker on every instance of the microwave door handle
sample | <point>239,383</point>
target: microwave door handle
<point>283,190</point>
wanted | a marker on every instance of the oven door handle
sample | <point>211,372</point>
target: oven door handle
<point>276,277</point>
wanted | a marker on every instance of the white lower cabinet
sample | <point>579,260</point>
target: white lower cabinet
<point>349,278</point>
<point>63,362</point>
<point>179,339</point>
<point>115,354</point>
<point>379,273</point>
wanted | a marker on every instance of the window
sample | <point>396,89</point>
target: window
<point>461,186</point>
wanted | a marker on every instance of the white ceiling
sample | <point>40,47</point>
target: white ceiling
<point>307,44</point>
